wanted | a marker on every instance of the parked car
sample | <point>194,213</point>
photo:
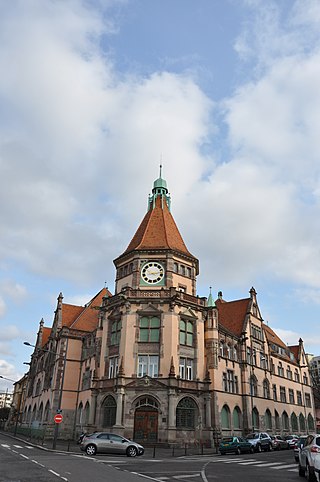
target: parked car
<point>309,458</point>
<point>260,441</point>
<point>298,446</point>
<point>278,442</point>
<point>235,445</point>
<point>110,443</point>
<point>291,439</point>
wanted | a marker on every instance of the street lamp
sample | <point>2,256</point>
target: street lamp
<point>9,379</point>
<point>59,410</point>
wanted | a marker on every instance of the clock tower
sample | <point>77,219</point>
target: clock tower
<point>153,334</point>
<point>157,255</point>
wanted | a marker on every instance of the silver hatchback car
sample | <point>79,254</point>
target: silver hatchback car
<point>110,443</point>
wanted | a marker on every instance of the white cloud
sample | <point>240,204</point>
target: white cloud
<point>292,338</point>
<point>3,307</point>
<point>14,290</point>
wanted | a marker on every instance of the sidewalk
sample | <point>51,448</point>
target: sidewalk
<point>150,451</point>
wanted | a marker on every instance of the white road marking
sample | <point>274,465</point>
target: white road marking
<point>28,447</point>
<point>24,456</point>
<point>53,472</point>
<point>268,464</point>
<point>5,445</point>
<point>18,446</point>
<point>250,463</point>
<point>284,466</point>
<point>186,475</point>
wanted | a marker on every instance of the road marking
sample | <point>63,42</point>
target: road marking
<point>268,464</point>
<point>18,446</point>
<point>5,445</point>
<point>24,456</point>
<point>15,451</point>
<point>284,466</point>
<point>186,475</point>
<point>250,463</point>
<point>293,470</point>
<point>53,472</point>
<point>145,476</point>
<point>28,447</point>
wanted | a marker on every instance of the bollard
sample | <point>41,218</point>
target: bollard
<point>68,445</point>
<point>185,449</point>
<point>172,450</point>
<point>201,449</point>
<point>154,451</point>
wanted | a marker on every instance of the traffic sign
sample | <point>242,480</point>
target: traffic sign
<point>58,418</point>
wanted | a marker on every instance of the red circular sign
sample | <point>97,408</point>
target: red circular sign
<point>58,418</point>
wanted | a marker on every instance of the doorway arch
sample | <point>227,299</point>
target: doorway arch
<point>146,420</point>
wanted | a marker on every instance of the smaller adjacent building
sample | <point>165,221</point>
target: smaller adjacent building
<point>5,399</point>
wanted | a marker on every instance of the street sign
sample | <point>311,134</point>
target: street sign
<point>58,418</point>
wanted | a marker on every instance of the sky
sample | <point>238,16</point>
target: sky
<point>94,94</point>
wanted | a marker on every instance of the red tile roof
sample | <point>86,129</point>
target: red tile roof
<point>232,314</point>
<point>295,350</point>
<point>272,337</point>
<point>89,316</point>
<point>45,335</point>
<point>158,230</point>
<point>70,313</point>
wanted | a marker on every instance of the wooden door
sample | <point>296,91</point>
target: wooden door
<point>146,425</point>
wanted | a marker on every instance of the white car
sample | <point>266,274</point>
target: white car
<point>309,459</point>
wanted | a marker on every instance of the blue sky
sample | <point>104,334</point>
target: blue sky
<point>94,93</point>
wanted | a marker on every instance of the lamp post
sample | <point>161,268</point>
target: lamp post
<point>59,409</point>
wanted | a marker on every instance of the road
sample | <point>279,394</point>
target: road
<point>23,462</point>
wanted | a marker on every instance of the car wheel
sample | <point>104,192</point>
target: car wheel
<point>222,453</point>
<point>252,450</point>
<point>259,449</point>
<point>132,451</point>
<point>301,471</point>
<point>310,476</point>
<point>91,449</point>
<point>238,451</point>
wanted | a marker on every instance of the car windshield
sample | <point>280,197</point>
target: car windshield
<point>252,436</point>
<point>227,439</point>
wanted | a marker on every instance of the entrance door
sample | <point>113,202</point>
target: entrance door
<point>146,425</point>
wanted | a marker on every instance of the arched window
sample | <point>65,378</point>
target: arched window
<point>310,422</point>
<point>186,413</point>
<point>29,415</point>
<point>40,412</point>
<point>225,417</point>
<point>285,421</point>
<point>235,353</point>
<point>46,412</point>
<point>255,419</point>
<point>280,370</point>
<point>266,388</point>
<point>86,413</point>
<point>296,375</point>
<point>34,413</point>
<point>221,348</point>
<point>80,414</point>
<point>228,351</point>
<point>236,418</point>
<point>268,420</point>
<point>302,423</point>
<point>294,423</point>
<point>109,408</point>
<point>253,386</point>
<point>277,420</point>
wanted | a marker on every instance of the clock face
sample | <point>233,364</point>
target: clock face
<point>152,272</point>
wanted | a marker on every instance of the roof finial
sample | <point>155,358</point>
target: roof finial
<point>160,166</point>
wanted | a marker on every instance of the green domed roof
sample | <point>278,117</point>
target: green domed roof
<point>160,183</point>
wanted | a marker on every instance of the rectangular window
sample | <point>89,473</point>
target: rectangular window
<point>230,382</point>
<point>148,365</point>
<point>308,400</point>
<point>113,366</point>
<point>291,396</point>
<point>299,398</point>
<point>186,333</point>
<point>115,332</point>
<point>283,397</point>
<point>274,390</point>
<point>186,368</point>
<point>149,329</point>
<point>256,332</point>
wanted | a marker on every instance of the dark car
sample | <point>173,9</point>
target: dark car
<point>235,445</point>
<point>110,443</point>
<point>278,442</point>
<point>260,441</point>
<point>300,443</point>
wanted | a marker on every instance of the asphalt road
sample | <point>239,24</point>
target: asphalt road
<point>23,462</point>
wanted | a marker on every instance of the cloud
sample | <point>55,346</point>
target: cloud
<point>7,370</point>
<point>3,307</point>
<point>292,338</point>
<point>13,290</point>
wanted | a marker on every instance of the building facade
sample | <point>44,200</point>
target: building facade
<point>156,362</point>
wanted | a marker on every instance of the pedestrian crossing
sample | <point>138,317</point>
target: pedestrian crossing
<point>7,446</point>
<point>258,463</point>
